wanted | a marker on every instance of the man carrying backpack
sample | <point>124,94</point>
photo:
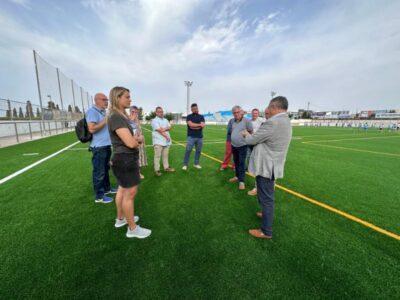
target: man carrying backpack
<point>100,146</point>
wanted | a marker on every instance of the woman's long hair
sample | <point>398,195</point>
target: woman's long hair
<point>115,96</point>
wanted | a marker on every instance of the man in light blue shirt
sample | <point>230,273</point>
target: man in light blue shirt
<point>100,146</point>
<point>161,141</point>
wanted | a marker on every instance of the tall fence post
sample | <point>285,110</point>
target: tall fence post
<point>29,111</point>
<point>9,108</point>
<point>16,131</point>
<point>73,95</point>
<point>59,89</point>
<point>83,105</point>
<point>63,113</point>
<point>39,91</point>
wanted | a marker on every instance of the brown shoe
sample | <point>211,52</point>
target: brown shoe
<point>252,192</point>
<point>169,170</point>
<point>158,173</point>
<point>259,214</point>
<point>234,179</point>
<point>242,186</point>
<point>257,233</point>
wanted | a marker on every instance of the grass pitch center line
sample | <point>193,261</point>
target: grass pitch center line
<point>321,204</point>
<point>23,170</point>
<point>353,139</point>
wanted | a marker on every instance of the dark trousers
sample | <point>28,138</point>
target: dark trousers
<point>266,195</point>
<point>239,158</point>
<point>101,166</point>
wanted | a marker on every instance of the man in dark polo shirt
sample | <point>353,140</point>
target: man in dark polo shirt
<point>195,124</point>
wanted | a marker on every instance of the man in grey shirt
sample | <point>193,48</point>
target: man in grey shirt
<point>267,161</point>
<point>239,146</point>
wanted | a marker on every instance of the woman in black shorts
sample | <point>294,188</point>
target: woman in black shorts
<point>125,164</point>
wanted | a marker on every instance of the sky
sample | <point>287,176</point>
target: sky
<point>337,55</point>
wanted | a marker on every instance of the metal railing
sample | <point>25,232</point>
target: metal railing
<point>19,131</point>
<point>23,121</point>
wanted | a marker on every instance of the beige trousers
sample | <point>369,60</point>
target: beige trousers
<point>161,151</point>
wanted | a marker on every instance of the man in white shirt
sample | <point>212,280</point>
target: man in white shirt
<point>256,121</point>
<point>161,141</point>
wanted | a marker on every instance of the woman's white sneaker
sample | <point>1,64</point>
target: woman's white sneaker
<point>138,232</point>
<point>119,223</point>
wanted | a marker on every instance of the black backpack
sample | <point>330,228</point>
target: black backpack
<point>82,131</point>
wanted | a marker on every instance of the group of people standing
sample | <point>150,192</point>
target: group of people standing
<point>118,142</point>
<point>266,140</point>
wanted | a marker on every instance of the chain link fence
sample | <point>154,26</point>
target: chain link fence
<point>61,103</point>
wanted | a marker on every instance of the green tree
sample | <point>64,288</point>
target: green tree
<point>169,116</point>
<point>306,115</point>
<point>20,113</point>
<point>151,116</point>
<point>140,113</point>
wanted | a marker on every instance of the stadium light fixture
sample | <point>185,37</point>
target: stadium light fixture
<point>188,85</point>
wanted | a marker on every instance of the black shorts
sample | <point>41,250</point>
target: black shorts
<point>125,167</point>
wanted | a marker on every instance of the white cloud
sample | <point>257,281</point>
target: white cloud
<point>345,56</point>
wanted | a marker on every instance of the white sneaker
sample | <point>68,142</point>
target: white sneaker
<point>138,232</point>
<point>184,168</point>
<point>197,166</point>
<point>119,223</point>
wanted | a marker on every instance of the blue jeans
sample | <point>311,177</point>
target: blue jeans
<point>266,195</point>
<point>239,157</point>
<point>190,143</point>
<point>101,166</point>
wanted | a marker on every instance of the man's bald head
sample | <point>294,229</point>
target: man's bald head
<point>101,100</point>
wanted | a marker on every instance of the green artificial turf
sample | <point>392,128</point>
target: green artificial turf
<point>57,243</point>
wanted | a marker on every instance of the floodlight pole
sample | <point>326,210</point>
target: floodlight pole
<point>188,85</point>
<point>40,93</point>
<point>59,89</point>
<point>73,94</point>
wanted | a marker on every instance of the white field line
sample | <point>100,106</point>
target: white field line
<point>9,177</point>
<point>353,139</point>
<point>30,154</point>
